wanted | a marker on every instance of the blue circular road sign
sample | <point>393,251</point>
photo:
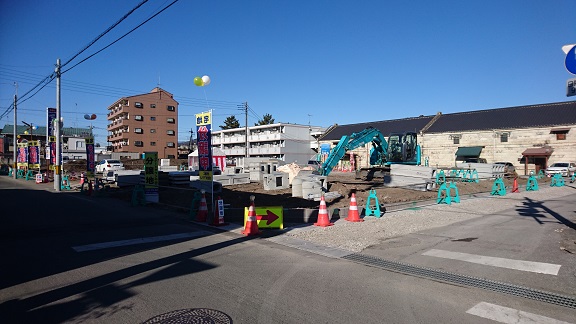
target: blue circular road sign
<point>570,61</point>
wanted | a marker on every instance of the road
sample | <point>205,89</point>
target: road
<point>68,257</point>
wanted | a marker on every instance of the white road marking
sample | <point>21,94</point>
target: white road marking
<point>105,245</point>
<point>538,267</point>
<point>509,315</point>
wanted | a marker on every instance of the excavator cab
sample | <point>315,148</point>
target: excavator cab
<point>403,148</point>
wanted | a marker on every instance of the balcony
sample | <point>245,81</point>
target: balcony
<point>266,150</point>
<point>115,111</point>
<point>265,137</point>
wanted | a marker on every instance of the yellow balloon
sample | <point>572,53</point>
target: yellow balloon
<point>198,81</point>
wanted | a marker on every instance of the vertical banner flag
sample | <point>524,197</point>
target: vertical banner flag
<point>33,155</point>
<point>90,164</point>
<point>52,159</point>
<point>51,116</point>
<point>22,157</point>
<point>204,142</point>
<point>151,177</point>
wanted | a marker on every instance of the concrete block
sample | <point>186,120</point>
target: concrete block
<point>275,181</point>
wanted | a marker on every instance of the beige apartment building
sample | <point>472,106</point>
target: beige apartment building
<point>145,123</point>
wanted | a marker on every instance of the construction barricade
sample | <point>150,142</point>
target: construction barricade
<point>445,193</point>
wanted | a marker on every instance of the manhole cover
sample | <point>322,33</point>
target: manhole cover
<point>192,315</point>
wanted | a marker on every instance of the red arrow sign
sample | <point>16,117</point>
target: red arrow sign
<point>270,217</point>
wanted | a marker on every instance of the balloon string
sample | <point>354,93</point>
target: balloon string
<point>206,98</point>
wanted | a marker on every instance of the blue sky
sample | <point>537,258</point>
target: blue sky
<point>319,62</point>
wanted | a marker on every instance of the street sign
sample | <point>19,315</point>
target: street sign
<point>571,87</point>
<point>570,61</point>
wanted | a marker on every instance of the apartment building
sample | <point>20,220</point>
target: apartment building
<point>286,142</point>
<point>145,123</point>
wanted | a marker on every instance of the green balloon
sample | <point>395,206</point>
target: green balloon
<point>198,81</point>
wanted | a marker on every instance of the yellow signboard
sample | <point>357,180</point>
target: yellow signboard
<point>205,175</point>
<point>267,217</point>
<point>204,118</point>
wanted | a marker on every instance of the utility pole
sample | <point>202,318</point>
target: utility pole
<point>190,144</point>
<point>58,166</point>
<point>246,154</point>
<point>15,141</point>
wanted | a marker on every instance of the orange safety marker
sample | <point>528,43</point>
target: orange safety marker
<point>323,219</point>
<point>251,223</point>
<point>515,186</point>
<point>353,215</point>
<point>203,209</point>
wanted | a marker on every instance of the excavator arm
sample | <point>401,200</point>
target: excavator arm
<point>347,143</point>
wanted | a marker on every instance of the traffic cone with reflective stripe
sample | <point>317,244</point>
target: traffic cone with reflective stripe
<point>515,186</point>
<point>353,215</point>
<point>323,219</point>
<point>251,227</point>
<point>203,209</point>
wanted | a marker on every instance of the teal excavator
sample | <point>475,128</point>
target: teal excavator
<point>401,148</point>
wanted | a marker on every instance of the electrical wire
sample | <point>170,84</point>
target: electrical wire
<point>105,32</point>
<point>118,39</point>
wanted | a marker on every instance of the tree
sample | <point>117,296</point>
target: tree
<point>266,120</point>
<point>230,123</point>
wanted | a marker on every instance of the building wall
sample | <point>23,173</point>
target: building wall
<point>440,147</point>
<point>145,123</point>
<point>286,142</point>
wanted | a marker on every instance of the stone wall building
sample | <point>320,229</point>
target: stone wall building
<point>530,137</point>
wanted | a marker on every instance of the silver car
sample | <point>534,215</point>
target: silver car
<point>109,165</point>
<point>566,169</point>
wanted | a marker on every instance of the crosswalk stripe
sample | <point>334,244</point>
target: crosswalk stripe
<point>509,315</point>
<point>538,267</point>
<point>105,245</point>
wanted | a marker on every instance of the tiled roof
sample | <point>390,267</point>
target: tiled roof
<point>66,131</point>
<point>385,127</point>
<point>544,115</point>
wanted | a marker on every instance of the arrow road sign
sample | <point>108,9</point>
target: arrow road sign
<point>570,61</point>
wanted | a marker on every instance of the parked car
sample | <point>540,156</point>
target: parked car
<point>475,160</point>
<point>566,169</point>
<point>109,165</point>
<point>508,167</point>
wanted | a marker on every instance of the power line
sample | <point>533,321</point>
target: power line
<point>118,39</point>
<point>105,32</point>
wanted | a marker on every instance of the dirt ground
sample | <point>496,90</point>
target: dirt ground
<point>343,183</point>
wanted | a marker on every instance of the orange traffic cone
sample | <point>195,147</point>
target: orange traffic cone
<point>323,219</point>
<point>251,227</point>
<point>202,210</point>
<point>515,186</point>
<point>353,215</point>
<point>218,219</point>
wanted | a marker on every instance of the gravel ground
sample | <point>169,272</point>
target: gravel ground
<point>356,236</point>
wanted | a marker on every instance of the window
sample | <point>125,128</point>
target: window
<point>152,118</point>
<point>456,140</point>
<point>503,137</point>
<point>171,108</point>
<point>138,130</point>
<point>138,105</point>
<point>170,132</point>
<point>152,143</point>
<point>170,144</point>
<point>171,120</point>
<point>152,130</point>
<point>138,143</point>
<point>125,102</point>
<point>139,117</point>
<point>560,133</point>
<point>152,105</point>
